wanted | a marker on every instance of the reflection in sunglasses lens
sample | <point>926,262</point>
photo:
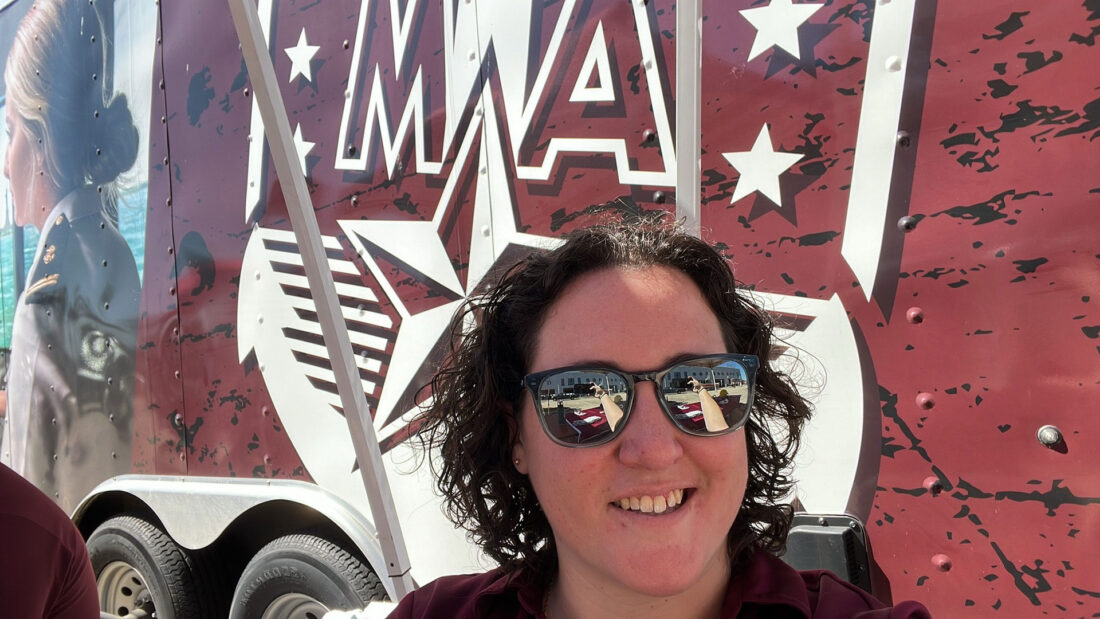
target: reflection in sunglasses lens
<point>582,406</point>
<point>706,395</point>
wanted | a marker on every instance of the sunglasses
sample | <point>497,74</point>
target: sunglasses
<point>588,405</point>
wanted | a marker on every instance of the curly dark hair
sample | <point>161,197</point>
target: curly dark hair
<point>477,391</point>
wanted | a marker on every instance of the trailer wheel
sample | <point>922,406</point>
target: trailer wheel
<point>303,577</point>
<point>138,567</point>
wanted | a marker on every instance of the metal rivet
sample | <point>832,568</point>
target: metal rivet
<point>346,44</point>
<point>260,319</point>
<point>903,139</point>
<point>472,55</point>
<point>914,315</point>
<point>486,231</point>
<point>649,135</point>
<point>355,200</point>
<point>104,264</point>
<point>907,224</point>
<point>648,64</point>
<point>893,63</point>
<point>351,149</point>
<point>246,92</point>
<point>172,291</point>
<point>95,114</point>
<point>177,374</point>
<point>659,197</point>
<point>483,170</point>
<point>1049,435</point>
<point>942,562</point>
<point>933,485</point>
<point>111,417</point>
<point>106,306</point>
<point>823,522</point>
<point>171,250</point>
<point>925,400</point>
<point>265,411</point>
<point>114,456</point>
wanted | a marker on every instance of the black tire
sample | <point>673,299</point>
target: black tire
<point>138,566</point>
<point>302,576</point>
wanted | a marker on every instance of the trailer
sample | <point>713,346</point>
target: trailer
<point>908,186</point>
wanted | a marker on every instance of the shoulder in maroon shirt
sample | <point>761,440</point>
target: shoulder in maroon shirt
<point>766,588</point>
<point>44,566</point>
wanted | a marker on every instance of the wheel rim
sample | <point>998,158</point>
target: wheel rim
<point>295,606</point>
<point>122,589</point>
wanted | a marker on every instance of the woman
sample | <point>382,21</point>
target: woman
<point>665,514</point>
<point>74,333</point>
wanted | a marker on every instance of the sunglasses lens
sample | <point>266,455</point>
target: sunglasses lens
<point>708,395</point>
<point>581,407</point>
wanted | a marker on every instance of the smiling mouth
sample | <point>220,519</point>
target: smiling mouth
<point>659,504</point>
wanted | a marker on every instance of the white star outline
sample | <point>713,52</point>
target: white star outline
<point>777,25</point>
<point>300,57</point>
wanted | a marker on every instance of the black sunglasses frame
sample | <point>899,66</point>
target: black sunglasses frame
<point>750,363</point>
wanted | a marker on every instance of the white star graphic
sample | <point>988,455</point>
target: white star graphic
<point>302,147</point>
<point>760,168</point>
<point>300,57</point>
<point>777,24</point>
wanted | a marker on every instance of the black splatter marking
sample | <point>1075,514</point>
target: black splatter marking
<point>1052,499</point>
<point>199,95</point>
<point>1091,332</point>
<point>969,138</point>
<point>988,211</point>
<point>1033,61</point>
<point>809,240</point>
<point>1014,22</point>
<point>1000,88</point>
<point>890,411</point>
<point>1027,114</point>
<point>1018,576</point>
<point>1029,266</point>
<point>1091,122</point>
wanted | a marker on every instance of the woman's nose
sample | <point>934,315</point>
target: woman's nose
<point>649,440</point>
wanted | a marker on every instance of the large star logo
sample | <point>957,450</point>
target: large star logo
<point>418,247</point>
<point>761,171</point>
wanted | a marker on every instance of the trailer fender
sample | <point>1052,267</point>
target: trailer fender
<point>195,511</point>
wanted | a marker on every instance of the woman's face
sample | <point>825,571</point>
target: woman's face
<point>19,168</point>
<point>635,320</point>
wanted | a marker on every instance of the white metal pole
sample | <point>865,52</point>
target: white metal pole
<point>304,222</point>
<point>689,67</point>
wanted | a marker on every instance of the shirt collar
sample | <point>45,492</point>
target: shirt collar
<point>766,580</point>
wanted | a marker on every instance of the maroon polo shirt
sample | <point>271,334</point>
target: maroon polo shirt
<point>766,588</point>
<point>44,566</point>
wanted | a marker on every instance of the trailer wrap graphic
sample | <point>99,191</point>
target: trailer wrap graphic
<point>906,185</point>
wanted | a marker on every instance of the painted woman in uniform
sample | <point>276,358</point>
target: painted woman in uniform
<point>70,383</point>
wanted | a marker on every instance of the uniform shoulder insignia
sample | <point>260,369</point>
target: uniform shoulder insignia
<point>46,279</point>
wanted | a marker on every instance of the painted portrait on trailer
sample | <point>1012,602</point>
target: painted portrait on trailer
<point>72,151</point>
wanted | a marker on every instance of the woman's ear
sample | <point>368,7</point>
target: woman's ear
<point>519,452</point>
<point>519,456</point>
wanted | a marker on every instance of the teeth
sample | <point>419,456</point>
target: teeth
<point>653,504</point>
